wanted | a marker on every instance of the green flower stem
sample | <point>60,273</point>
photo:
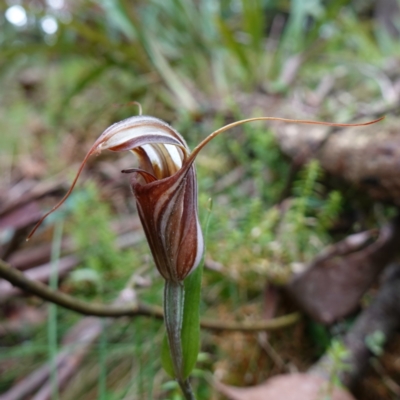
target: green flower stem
<point>187,389</point>
<point>174,295</point>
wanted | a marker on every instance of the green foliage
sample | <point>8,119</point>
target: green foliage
<point>255,238</point>
<point>375,342</point>
<point>338,354</point>
<point>191,320</point>
<point>221,46</point>
<point>91,230</point>
<point>309,215</point>
<point>320,335</point>
<point>258,152</point>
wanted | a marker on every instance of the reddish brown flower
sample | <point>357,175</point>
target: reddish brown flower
<point>165,187</point>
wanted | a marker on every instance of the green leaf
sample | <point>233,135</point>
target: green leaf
<point>233,45</point>
<point>166,360</point>
<point>118,17</point>
<point>375,342</point>
<point>190,333</point>
<point>253,22</point>
<point>191,321</point>
<point>85,80</point>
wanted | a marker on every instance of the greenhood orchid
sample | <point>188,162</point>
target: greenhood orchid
<point>165,189</point>
<point>165,186</point>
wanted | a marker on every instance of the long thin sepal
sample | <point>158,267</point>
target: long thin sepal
<point>210,137</point>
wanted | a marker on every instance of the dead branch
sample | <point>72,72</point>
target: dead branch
<point>36,275</point>
<point>18,279</point>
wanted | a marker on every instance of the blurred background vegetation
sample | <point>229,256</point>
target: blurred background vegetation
<point>69,69</point>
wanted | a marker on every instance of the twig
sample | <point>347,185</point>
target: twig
<point>273,324</point>
<point>43,291</point>
<point>271,352</point>
<point>38,274</point>
<point>102,310</point>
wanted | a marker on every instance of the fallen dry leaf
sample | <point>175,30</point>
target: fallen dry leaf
<point>287,387</point>
<point>334,283</point>
<point>22,216</point>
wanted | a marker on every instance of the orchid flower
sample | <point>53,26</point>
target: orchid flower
<point>165,189</point>
<point>165,186</point>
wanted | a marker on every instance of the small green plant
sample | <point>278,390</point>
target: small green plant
<point>375,342</point>
<point>337,356</point>
<point>310,215</point>
<point>96,241</point>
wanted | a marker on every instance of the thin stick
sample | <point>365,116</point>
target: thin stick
<point>103,310</point>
